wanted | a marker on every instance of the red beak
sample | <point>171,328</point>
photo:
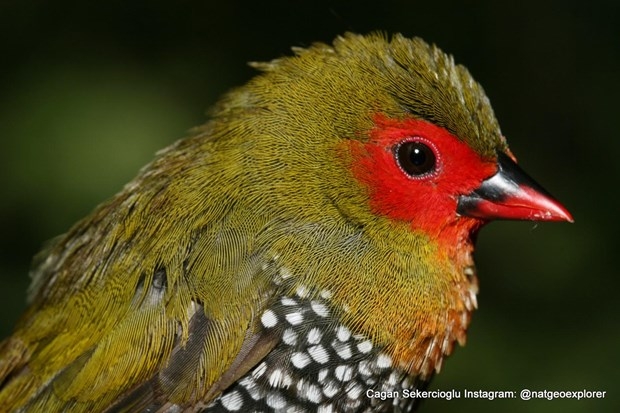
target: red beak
<point>511,194</point>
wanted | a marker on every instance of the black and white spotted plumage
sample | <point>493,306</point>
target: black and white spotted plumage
<point>318,365</point>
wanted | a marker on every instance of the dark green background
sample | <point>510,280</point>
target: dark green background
<point>90,90</point>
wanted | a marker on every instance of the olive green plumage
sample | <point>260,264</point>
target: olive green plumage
<point>264,185</point>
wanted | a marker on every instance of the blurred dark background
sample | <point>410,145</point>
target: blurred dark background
<point>90,90</point>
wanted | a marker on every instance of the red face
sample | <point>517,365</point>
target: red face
<point>415,172</point>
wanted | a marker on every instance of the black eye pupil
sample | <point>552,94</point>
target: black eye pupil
<point>415,158</point>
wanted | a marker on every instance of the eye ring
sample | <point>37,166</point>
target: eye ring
<point>417,157</point>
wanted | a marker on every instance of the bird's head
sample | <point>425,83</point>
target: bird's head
<point>371,127</point>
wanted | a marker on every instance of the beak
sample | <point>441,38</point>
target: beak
<point>511,194</point>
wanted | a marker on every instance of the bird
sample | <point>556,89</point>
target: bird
<point>307,249</point>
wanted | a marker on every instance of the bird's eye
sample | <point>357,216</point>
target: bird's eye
<point>415,158</point>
